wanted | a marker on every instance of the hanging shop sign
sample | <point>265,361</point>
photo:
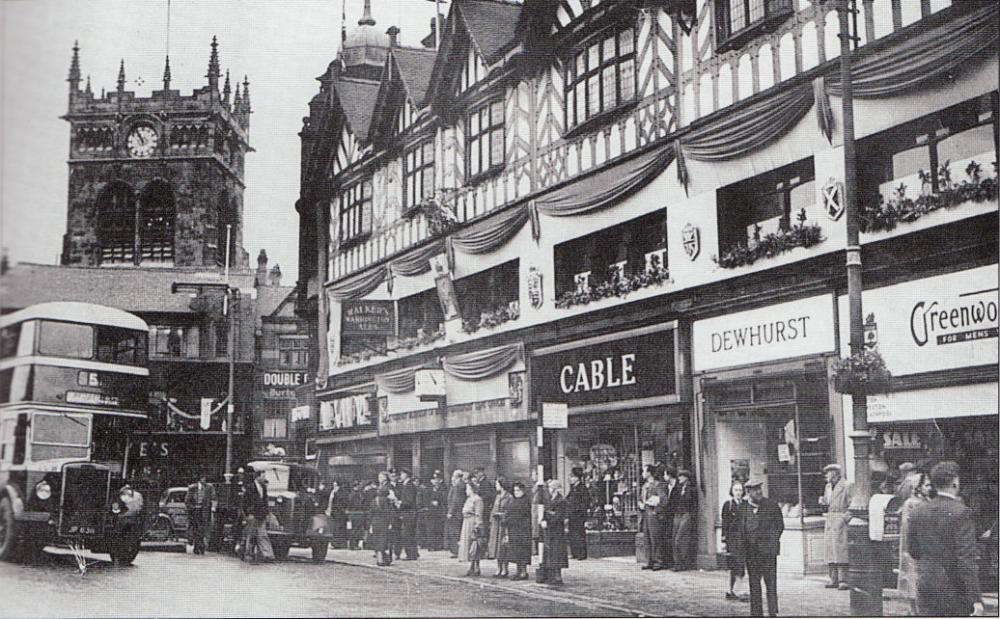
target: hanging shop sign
<point>782,331</point>
<point>353,411</point>
<point>936,323</point>
<point>280,385</point>
<point>368,318</point>
<point>631,366</point>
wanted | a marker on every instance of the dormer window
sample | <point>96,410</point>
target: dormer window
<point>356,212</point>
<point>484,142</point>
<point>600,76</point>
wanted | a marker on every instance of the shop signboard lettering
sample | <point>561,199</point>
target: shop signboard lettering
<point>782,331</point>
<point>280,385</point>
<point>608,371</point>
<point>368,318</point>
<point>352,411</point>
<point>936,323</point>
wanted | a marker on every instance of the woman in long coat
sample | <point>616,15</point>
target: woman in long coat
<point>500,504</point>
<point>472,523</point>
<point>918,488</point>
<point>381,520</point>
<point>517,527</point>
<point>554,556</point>
<point>733,538</point>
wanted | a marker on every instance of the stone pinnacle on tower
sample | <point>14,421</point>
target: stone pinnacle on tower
<point>166,74</point>
<point>74,68</point>
<point>237,99</point>
<point>246,94</point>
<point>213,66</point>
<point>87,91</point>
<point>121,76</point>
<point>226,90</point>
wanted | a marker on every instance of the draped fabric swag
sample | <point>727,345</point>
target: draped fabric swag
<point>397,381</point>
<point>357,286</point>
<point>417,262</point>
<point>742,131</point>
<point>481,364</point>
<point>491,233</point>
<point>608,187</point>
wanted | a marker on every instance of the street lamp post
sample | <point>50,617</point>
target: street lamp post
<point>865,568</point>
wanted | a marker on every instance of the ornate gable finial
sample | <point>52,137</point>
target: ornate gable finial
<point>121,76</point>
<point>237,99</point>
<point>366,17</point>
<point>166,74</point>
<point>246,95</point>
<point>87,89</point>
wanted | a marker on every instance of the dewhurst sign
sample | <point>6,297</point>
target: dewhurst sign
<point>782,331</point>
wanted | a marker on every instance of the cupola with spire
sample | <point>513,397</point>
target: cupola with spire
<point>365,48</point>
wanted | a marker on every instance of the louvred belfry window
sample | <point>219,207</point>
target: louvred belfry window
<point>116,224</point>
<point>600,76</point>
<point>156,240</point>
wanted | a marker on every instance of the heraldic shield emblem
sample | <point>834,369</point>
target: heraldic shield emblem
<point>691,240</point>
<point>833,198</point>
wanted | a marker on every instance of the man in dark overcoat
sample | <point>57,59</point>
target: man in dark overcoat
<point>762,529</point>
<point>942,538</point>
<point>578,507</point>
<point>406,492</point>
<point>554,555</point>
<point>198,503</point>
<point>453,523</point>
<point>684,508</point>
<point>435,511</point>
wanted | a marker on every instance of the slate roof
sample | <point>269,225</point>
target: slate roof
<point>415,67</point>
<point>492,24</point>
<point>131,289</point>
<point>357,99</point>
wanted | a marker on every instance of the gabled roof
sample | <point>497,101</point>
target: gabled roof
<point>357,100</point>
<point>411,67</point>
<point>491,23</point>
<point>414,66</point>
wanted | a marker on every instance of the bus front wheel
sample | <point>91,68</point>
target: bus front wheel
<point>8,531</point>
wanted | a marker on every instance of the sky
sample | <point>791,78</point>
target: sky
<point>281,45</point>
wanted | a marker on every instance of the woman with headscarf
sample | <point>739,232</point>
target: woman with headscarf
<point>497,514</point>
<point>517,528</point>
<point>472,524</point>
<point>917,488</point>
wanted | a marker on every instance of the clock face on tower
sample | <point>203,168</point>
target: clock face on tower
<point>142,141</point>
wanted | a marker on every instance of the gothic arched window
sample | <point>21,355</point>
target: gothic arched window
<point>156,233</point>
<point>116,223</point>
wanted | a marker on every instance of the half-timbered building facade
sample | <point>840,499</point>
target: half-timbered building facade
<point>635,209</point>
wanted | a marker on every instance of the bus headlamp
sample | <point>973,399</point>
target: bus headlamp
<point>43,490</point>
<point>116,508</point>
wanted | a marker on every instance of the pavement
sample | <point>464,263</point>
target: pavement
<point>618,584</point>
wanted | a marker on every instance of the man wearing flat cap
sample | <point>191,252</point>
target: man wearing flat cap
<point>577,507</point>
<point>684,507</point>
<point>837,499</point>
<point>762,526</point>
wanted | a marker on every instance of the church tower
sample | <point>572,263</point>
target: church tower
<point>156,181</point>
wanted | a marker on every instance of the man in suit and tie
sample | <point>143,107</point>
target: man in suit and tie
<point>942,538</point>
<point>654,515</point>
<point>256,510</point>
<point>762,525</point>
<point>198,502</point>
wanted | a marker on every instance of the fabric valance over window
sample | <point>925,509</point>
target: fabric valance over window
<point>607,187</point>
<point>357,286</point>
<point>482,364</point>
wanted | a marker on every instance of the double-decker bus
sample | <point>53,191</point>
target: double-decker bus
<point>73,387</point>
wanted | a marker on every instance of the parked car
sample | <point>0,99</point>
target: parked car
<point>169,521</point>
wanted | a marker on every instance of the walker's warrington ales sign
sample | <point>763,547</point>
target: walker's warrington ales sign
<point>628,368</point>
<point>368,318</point>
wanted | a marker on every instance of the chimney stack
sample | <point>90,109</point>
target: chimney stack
<point>274,279</point>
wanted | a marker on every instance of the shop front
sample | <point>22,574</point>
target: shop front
<point>765,413</point>
<point>347,444</point>
<point>626,409</point>
<point>938,337</point>
<point>467,411</point>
